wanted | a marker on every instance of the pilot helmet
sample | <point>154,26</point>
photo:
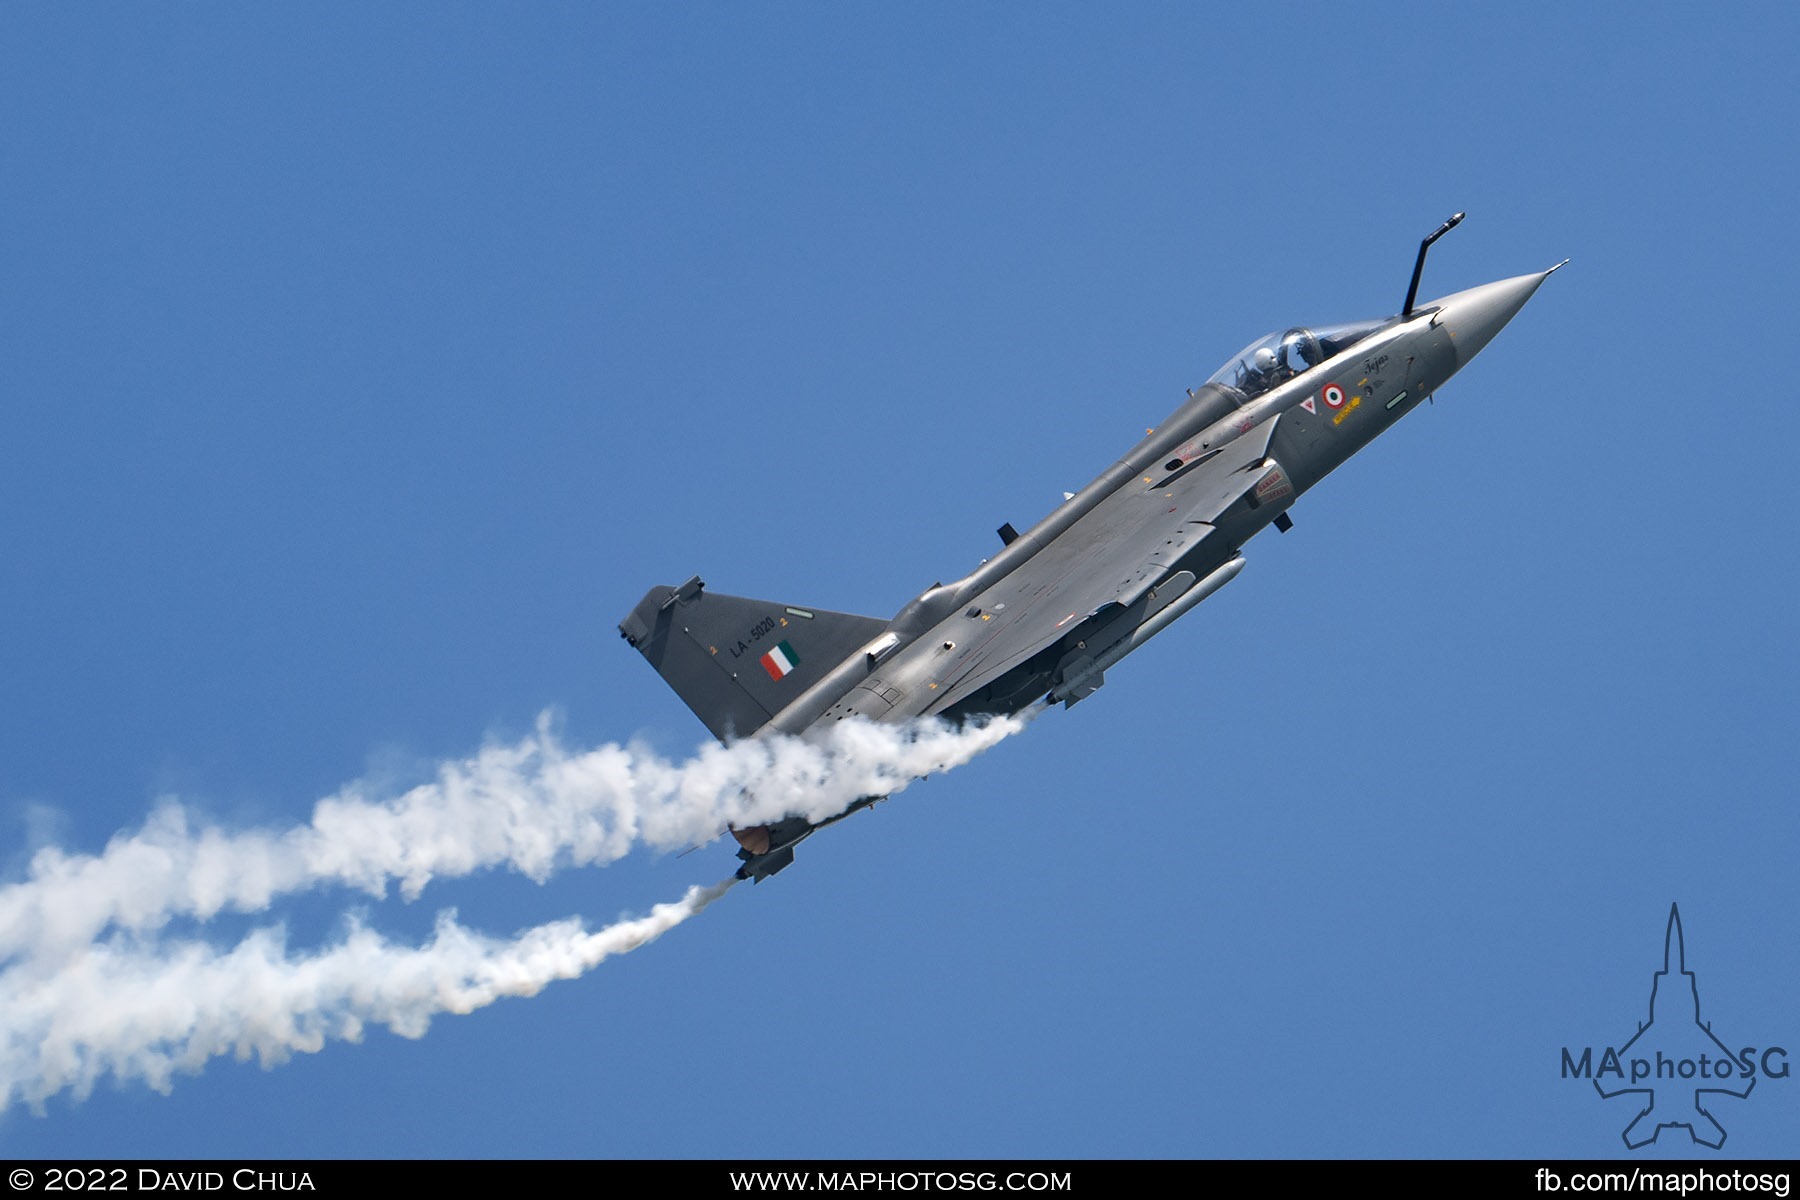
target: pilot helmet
<point>1264,359</point>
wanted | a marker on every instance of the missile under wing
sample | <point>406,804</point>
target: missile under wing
<point>1149,538</point>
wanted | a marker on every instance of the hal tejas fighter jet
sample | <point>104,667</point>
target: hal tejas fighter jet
<point>1043,620</point>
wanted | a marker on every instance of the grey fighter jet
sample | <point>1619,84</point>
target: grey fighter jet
<point>1045,618</point>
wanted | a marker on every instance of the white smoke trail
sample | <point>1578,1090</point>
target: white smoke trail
<point>532,806</point>
<point>78,1002</point>
<point>147,1012</point>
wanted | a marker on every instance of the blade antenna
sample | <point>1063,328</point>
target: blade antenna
<point>1412,293</point>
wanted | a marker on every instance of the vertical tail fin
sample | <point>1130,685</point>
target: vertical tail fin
<point>737,662</point>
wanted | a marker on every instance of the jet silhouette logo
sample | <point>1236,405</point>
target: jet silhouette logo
<point>1674,1063</point>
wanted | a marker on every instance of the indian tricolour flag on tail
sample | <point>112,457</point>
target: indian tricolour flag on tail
<point>779,661</point>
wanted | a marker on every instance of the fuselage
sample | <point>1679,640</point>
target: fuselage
<point>1302,418</point>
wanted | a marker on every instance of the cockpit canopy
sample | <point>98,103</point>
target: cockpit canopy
<point>1271,361</point>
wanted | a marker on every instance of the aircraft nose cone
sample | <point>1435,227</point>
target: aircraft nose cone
<point>1475,316</point>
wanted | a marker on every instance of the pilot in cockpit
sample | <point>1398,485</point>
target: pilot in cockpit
<point>1262,372</point>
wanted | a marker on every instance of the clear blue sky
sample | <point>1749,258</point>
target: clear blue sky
<point>362,365</point>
